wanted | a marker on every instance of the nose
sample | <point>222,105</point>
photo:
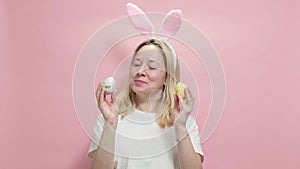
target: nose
<point>142,71</point>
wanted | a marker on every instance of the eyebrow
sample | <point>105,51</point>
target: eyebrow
<point>137,59</point>
<point>150,61</point>
<point>153,61</point>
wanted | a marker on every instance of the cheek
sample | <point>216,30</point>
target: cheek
<point>158,76</point>
<point>132,72</point>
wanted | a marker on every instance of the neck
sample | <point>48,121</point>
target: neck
<point>148,103</point>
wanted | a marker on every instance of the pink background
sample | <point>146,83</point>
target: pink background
<point>258,42</point>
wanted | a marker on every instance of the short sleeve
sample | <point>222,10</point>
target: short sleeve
<point>193,131</point>
<point>98,129</point>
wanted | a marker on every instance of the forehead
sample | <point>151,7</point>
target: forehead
<point>150,52</point>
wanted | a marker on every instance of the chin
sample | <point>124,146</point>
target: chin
<point>140,91</point>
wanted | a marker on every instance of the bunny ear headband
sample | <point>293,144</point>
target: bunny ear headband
<point>169,26</point>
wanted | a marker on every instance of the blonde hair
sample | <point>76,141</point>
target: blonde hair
<point>165,117</point>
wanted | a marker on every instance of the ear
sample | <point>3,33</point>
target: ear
<point>171,23</point>
<point>140,20</point>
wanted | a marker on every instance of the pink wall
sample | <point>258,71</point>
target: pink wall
<point>258,42</point>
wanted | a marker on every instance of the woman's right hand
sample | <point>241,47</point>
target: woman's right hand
<point>107,107</point>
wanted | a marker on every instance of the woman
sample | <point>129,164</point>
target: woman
<point>125,137</point>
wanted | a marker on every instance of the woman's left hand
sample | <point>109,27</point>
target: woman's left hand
<point>183,107</point>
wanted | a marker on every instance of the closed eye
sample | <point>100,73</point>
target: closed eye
<point>136,65</point>
<point>152,67</point>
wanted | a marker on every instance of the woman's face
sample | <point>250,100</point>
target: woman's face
<point>147,70</point>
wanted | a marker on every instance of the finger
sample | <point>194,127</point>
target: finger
<point>189,97</point>
<point>176,100</point>
<point>97,92</point>
<point>181,101</point>
<point>102,97</point>
<point>113,96</point>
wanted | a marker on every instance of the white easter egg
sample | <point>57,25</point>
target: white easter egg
<point>109,85</point>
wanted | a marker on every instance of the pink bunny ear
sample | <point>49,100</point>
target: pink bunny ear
<point>140,20</point>
<point>171,23</point>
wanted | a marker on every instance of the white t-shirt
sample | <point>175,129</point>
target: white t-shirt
<point>141,143</point>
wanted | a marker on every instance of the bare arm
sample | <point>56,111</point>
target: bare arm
<point>188,158</point>
<point>103,157</point>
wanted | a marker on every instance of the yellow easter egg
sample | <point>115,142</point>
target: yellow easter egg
<point>180,87</point>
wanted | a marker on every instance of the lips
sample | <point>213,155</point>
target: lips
<point>139,82</point>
